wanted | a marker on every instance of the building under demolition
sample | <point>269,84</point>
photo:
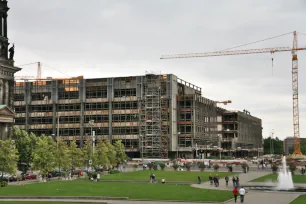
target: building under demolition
<point>155,116</point>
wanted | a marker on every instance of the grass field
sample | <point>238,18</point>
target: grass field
<point>273,177</point>
<point>131,190</point>
<point>185,176</point>
<point>34,202</point>
<point>300,200</point>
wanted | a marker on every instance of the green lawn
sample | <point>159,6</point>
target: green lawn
<point>186,176</point>
<point>273,177</point>
<point>131,190</point>
<point>300,200</point>
<point>34,202</point>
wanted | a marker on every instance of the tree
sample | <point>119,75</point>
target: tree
<point>87,152</point>
<point>111,153</point>
<point>100,158</point>
<point>277,146</point>
<point>8,157</point>
<point>120,153</point>
<point>25,144</point>
<point>75,155</point>
<point>43,155</point>
<point>61,155</point>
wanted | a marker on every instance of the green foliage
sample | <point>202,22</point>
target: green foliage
<point>201,166</point>
<point>216,167</point>
<point>274,168</point>
<point>277,144</point>
<point>120,153</point>
<point>155,167</point>
<point>175,166</point>
<point>150,166</point>
<point>113,171</point>
<point>292,168</point>
<point>162,166</point>
<point>43,155</point>
<point>25,144</point>
<point>86,152</point>
<point>111,153</point>
<point>100,158</point>
<point>188,166</point>
<point>3,183</point>
<point>61,155</point>
<point>75,155</point>
<point>8,157</point>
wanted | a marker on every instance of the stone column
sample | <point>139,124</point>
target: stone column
<point>1,91</point>
<point>1,20</point>
<point>7,93</point>
<point>5,26</point>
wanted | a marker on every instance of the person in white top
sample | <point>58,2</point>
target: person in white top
<point>98,177</point>
<point>242,193</point>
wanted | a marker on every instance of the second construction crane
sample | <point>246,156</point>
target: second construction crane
<point>295,91</point>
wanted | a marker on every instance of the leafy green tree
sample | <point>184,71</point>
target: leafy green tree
<point>8,157</point>
<point>120,153</point>
<point>111,153</point>
<point>87,152</point>
<point>25,144</point>
<point>61,155</point>
<point>43,155</point>
<point>100,158</point>
<point>277,146</point>
<point>75,155</point>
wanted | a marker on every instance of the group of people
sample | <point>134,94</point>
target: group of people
<point>214,180</point>
<point>241,192</point>
<point>235,180</point>
<point>153,179</point>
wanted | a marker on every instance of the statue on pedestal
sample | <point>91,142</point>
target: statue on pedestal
<point>12,51</point>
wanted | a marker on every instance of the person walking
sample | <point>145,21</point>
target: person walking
<point>199,180</point>
<point>237,181</point>
<point>98,177</point>
<point>226,180</point>
<point>235,192</point>
<point>211,179</point>
<point>242,193</point>
<point>234,181</point>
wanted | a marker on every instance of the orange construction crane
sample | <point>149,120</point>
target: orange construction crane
<point>38,76</point>
<point>297,150</point>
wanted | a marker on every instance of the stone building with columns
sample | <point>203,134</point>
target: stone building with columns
<point>7,71</point>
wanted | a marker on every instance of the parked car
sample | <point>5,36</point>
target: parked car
<point>29,176</point>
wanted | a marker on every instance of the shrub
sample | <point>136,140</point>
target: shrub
<point>229,167</point>
<point>216,167</point>
<point>292,168</point>
<point>135,166</point>
<point>155,167</point>
<point>113,171</point>
<point>274,168</point>
<point>162,166</point>
<point>175,166</point>
<point>150,166</point>
<point>201,166</point>
<point>3,184</point>
<point>94,175</point>
<point>244,166</point>
<point>188,166</point>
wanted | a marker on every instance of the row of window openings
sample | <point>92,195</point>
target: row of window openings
<point>75,119</point>
<point>98,93</point>
<point>77,107</point>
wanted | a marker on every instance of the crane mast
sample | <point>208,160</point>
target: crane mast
<point>295,91</point>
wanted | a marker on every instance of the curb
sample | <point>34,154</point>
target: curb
<point>64,197</point>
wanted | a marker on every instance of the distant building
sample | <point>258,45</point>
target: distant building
<point>289,144</point>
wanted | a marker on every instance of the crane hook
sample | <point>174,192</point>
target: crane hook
<point>272,61</point>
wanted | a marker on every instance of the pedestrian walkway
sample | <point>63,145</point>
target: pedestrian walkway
<point>267,198</point>
<point>243,179</point>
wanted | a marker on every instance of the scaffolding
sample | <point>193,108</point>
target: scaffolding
<point>153,132</point>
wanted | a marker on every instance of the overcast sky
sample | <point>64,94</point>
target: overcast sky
<point>107,38</point>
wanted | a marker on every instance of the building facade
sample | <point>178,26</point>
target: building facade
<point>289,145</point>
<point>153,115</point>
<point>7,71</point>
<point>240,133</point>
